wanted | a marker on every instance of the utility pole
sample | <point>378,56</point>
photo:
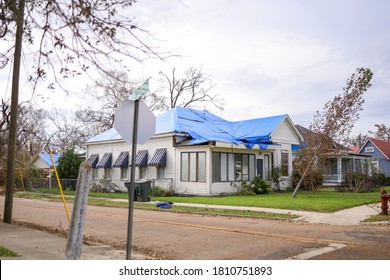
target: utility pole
<point>18,14</point>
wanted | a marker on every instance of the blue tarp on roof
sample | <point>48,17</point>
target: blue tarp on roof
<point>47,159</point>
<point>202,127</point>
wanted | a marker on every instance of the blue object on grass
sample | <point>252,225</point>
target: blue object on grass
<point>164,205</point>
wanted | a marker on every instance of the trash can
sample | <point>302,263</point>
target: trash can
<point>142,189</point>
<point>127,185</point>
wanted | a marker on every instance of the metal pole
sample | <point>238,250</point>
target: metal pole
<point>132,181</point>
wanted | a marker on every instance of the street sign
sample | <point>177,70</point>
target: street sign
<point>124,122</point>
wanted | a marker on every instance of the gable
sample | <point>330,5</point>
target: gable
<point>43,161</point>
<point>286,133</point>
<point>376,146</point>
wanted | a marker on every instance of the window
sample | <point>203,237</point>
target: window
<point>285,164</point>
<point>94,173</point>
<point>193,167</point>
<point>266,168</point>
<point>369,149</point>
<point>142,172</point>
<point>124,172</point>
<point>229,167</point>
<point>160,172</point>
<point>107,173</point>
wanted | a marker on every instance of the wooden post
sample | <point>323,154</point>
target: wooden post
<point>76,230</point>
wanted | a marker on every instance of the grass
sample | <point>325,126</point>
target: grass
<point>326,200</point>
<point>206,211</point>
<point>378,218</point>
<point>4,252</point>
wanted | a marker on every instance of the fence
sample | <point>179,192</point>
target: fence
<point>36,183</point>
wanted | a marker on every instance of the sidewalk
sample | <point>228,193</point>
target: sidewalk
<point>45,246</point>
<point>351,216</point>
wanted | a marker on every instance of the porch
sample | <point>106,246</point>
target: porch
<point>335,168</point>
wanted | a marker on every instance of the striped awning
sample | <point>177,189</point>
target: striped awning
<point>142,158</point>
<point>93,160</point>
<point>159,158</point>
<point>105,162</point>
<point>122,160</point>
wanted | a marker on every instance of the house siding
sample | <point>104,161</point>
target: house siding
<point>378,156</point>
<point>283,137</point>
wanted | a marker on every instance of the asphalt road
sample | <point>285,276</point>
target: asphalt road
<point>167,235</point>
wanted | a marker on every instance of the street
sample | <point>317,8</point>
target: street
<point>177,236</point>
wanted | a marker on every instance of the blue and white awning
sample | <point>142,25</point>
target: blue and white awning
<point>159,158</point>
<point>142,158</point>
<point>105,162</point>
<point>93,160</point>
<point>122,160</point>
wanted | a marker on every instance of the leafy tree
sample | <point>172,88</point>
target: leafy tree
<point>336,121</point>
<point>68,165</point>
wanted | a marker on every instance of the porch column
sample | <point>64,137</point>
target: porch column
<point>339,170</point>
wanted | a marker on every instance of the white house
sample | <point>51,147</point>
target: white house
<point>44,162</point>
<point>196,152</point>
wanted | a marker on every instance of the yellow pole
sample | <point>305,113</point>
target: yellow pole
<point>21,178</point>
<point>60,187</point>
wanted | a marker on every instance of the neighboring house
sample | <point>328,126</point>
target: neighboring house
<point>196,152</point>
<point>338,163</point>
<point>379,150</point>
<point>44,162</point>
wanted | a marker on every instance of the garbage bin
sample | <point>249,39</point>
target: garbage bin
<point>127,185</point>
<point>142,189</point>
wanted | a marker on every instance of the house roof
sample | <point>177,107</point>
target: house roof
<point>202,127</point>
<point>383,146</point>
<point>46,158</point>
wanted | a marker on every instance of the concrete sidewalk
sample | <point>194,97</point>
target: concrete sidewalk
<point>45,246</point>
<point>351,216</point>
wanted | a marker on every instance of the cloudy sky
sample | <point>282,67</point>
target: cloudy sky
<point>271,57</point>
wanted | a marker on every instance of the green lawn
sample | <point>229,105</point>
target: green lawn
<point>325,200</point>
<point>4,252</point>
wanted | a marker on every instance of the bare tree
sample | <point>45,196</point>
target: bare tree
<point>336,121</point>
<point>110,91</point>
<point>67,133</point>
<point>193,90</point>
<point>71,36</point>
<point>382,132</point>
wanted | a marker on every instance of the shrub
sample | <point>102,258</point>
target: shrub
<point>357,182</point>
<point>157,191</point>
<point>312,181</point>
<point>260,186</point>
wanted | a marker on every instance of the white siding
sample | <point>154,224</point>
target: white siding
<point>197,188</point>
<point>115,148</point>
<point>40,163</point>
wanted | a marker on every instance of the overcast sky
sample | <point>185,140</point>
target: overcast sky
<point>271,57</point>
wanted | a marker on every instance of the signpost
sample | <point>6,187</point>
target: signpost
<point>129,131</point>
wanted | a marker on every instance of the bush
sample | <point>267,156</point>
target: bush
<point>160,192</point>
<point>312,181</point>
<point>256,186</point>
<point>260,186</point>
<point>357,182</point>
